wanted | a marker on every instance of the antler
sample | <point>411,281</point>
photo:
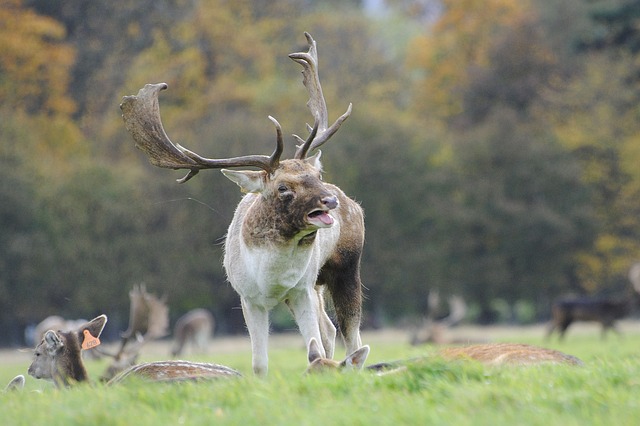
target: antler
<point>320,133</point>
<point>141,114</point>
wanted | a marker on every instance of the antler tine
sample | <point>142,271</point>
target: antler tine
<point>141,114</point>
<point>316,103</point>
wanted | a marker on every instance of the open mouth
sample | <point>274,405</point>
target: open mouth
<point>320,218</point>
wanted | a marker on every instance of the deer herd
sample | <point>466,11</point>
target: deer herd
<point>293,239</point>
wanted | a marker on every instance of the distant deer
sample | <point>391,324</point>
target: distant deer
<point>58,358</point>
<point>606,311</point>
<point>194,327</point>
<point>498,354</point>
<point>291,236</point>
<point>432,330</point>
<point>148,320</point>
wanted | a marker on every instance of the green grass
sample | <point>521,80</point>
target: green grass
<point>605,391</point>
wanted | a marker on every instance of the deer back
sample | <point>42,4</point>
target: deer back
<point>509,354</point>
<point>171,371</point>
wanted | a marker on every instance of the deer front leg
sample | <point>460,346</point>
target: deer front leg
<point>257,320</point>
<point>304,306</point>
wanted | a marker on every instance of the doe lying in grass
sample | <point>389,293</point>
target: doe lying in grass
<point>487,353</point>
<point>58,357</point>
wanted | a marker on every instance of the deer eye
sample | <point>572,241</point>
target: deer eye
<point>282,188</point>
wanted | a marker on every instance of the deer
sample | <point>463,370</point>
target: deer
<point>604,310</point>
<point>58,358</point>
<point>292,235</point>
<point>195,327</point>
<point>148,320</point>
<point>490,354</point>
<point>432,330</point>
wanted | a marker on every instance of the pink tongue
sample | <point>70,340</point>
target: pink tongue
<point>325,218</point>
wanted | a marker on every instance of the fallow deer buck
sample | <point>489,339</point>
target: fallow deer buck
<point>493,354</point>
<point>605,310</point>
<point>433,330</point>
<point>59,358</point>
<point>148,321</point>
<point>291,236</point>
<point>194,327</point>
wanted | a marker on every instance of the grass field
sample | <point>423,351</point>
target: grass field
<point>605,391</point>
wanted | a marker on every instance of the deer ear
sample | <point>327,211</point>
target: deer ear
<point>314,350</point>
<point>247,180</point>
<point>53,342</point>
<point>315,160</point>
<point>357,359</point>
<point>95,327</point>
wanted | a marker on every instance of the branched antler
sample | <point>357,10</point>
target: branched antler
<point>320,133</point>
<point>141,114</point>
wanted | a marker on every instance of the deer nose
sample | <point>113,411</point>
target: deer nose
<point>331,202</point>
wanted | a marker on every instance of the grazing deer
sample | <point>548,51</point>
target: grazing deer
<point>292,235</point>
<point>58,358</point>
<point>499,354</point>
<point>195,327</point>
<point>606,311</point>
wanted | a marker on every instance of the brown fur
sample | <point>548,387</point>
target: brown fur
<point>508,354</point>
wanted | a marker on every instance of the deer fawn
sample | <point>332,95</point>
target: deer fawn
<point>291,236</point>
<point>58,358</point>
<point>195,327</point>
<point>606,311</point>
<point>487,353</point>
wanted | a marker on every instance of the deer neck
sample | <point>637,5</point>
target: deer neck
<point>71,369</point>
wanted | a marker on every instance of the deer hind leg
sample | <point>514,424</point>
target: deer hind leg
<point>343,281</point>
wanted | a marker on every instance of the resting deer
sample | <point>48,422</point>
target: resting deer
<point>195,327</point>
<point>291,236</point>
<point>488,353</point>
<point>58,358</point>
<point>606,311</point>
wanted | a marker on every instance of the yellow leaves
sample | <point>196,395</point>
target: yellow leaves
<point>34,62</point>
<point>459,40</point>
<point>612,255</point>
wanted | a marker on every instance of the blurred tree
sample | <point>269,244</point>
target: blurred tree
<point>460,39</point>
<point>596,116</point>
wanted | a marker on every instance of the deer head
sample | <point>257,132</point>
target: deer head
<point>58,357</point>
<point>320,364</point>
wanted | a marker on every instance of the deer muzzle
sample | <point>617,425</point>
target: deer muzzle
<point>321,217</point>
